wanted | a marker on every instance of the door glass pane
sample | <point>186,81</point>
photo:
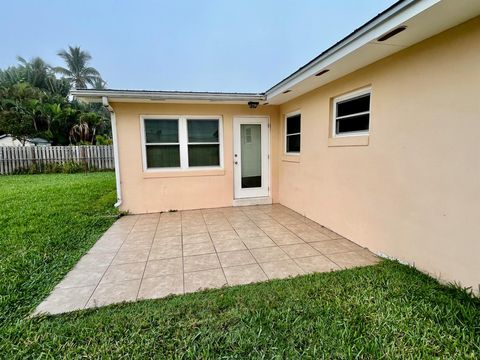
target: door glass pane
<point>204,155</point>
<point>161,131</point>
<point>202,130</point>
<point>163,156</point>
<point>251,155</point>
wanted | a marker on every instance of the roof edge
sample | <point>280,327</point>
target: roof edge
<point>168,95</point>
<point>391,11</point>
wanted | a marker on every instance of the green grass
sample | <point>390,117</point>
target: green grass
<point>49,221</point>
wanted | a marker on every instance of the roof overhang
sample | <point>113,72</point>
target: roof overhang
<point>92,95</point>
<point>422,18</point>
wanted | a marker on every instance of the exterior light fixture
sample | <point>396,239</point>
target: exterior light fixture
<point>252,104</point>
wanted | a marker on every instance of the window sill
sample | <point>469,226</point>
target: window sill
<point>183,173</point>
<point>291,158</point>
<point>349,141</point>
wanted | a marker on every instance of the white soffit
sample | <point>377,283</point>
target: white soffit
<point>423,19</point>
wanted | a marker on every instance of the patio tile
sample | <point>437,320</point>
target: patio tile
<point>165,251</point>
<point>168,232</point>
<point>286,239</point>
<point>281,269</point>
<point>258,242</point>
<point>234,258</point>
<point>144,227</point>
<point>318,263</point>
<point>224,235</point>
<point>177,240</point>
<point>156,268</point>
<point>136,244</point>
<point>250,231</point>
<point>200,262</point>
<point>110,293</point>
<point>125,256</point>
<point>80,277</point>
<point>205,279</point>
<point>312,236</point>
<point>351,259</point>
<point>196,238</point>
<point>350,245</point>
<point>198,249</point>
<point>148,219</point>
<point>228,245</point>
<point>161,286</point>
<point>94,259</point>
<point>244,274</point>
<point>64,300</point>
<point>330,247</point>
<point>110,244</point>
<point>194,229</point>
<point>219,227</point>
<point>269,254</point>
<point>124,272</point>
<point>331,234</point>
<point>299,250</point>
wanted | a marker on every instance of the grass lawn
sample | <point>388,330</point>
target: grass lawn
<point>49,221</point>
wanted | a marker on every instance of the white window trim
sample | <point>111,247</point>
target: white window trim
<point>183,142</point>
<point>290,114</point>
<point>348,96</point>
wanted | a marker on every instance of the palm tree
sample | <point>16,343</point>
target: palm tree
<point>99,84</point>
<point>77,71</point>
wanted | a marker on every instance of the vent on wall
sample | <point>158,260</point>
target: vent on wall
<point>391,33</point>
<point>322,72</point>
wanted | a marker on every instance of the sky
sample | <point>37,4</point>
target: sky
<point>185,45</point>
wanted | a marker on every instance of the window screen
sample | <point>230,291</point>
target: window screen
<point>292,134</point>
<point>352,115</point>
<point>162,146</point>
<point>203,142</point>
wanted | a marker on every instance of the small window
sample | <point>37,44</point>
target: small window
<point>203,142</point>
<point>162,144</point>
<point>292,133</point>
<point>351,115</point>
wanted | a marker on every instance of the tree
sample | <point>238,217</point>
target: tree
<point>37,73</point>
<point>21,112</point>
<point>77,70</point>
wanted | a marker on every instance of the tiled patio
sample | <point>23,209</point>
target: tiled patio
<point>154,255</point>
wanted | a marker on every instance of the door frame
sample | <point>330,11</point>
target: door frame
<point>250,196</point>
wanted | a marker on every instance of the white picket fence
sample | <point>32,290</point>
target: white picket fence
<point>90,157</point>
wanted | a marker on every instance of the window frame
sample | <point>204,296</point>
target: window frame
<point>285,135</point>
<point>350,96</point>
<point>183,142</point>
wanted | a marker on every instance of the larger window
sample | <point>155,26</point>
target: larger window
<point>182,142</point>
<point>292,133</point>
<point>351,114</point>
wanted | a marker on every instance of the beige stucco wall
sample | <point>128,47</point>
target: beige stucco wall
<point>414,191</point>
<point>152,192</point>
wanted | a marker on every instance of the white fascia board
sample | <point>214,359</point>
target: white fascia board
<point>166,95</point>
<point>371,32</point>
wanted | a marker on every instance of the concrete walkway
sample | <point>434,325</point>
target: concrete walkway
<point>155,255</point>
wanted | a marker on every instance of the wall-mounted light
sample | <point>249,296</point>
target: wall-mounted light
<point>392,33</point>
<point>322,72</point>
<point>252,104</point>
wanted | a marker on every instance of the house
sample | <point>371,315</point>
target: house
<point>9,140</point>
<point>376,138</point>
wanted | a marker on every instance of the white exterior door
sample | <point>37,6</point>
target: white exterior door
<point>251,157</point>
